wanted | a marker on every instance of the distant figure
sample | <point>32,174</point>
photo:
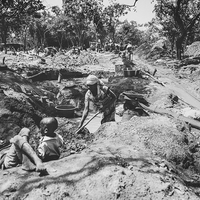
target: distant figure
<point>78,50</point>
<point>106,47</point>
<point>73,50</point>
<point>98,45</point>
<point>129,51</point>
<point>117,48</point>
<point>21,152</point>
<point>84,47</point>
<point>121,48</point>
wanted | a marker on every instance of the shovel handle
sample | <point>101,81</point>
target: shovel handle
<point>87,122</point>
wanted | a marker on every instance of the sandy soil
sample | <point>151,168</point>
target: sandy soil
<point>143,158</point>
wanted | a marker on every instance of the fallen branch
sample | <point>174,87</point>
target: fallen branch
<point>155,79</point>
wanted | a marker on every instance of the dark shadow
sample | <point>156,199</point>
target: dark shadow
<point>90,168</point>
<point>96,164</point>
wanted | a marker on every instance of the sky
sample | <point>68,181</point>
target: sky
<point>143,13</point>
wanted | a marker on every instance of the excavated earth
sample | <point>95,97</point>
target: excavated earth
<point>146,157</point>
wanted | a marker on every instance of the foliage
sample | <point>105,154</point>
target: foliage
<point>13,14</point>
<point>154,31</point>
<point>112,13</point>
<point>90,19</point>
<point>77,23</point>
<point>82,14</point>
<point>38,28</point>
<point>129,33</point>
<point>178,18</point>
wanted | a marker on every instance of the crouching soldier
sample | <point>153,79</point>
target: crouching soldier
<point>21,152</point>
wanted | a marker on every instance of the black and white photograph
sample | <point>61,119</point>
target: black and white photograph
<point>99,99</point>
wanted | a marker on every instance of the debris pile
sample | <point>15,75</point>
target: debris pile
<point>147,157</point>
<point>69,59</point>
<point>143,50</point>
<point>193,49</point>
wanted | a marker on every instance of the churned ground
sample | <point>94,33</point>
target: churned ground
<point>148,157</point>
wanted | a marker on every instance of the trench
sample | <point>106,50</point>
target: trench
<point>75,90</point>
<point>73,81</point>
<point>118,84</point>
<point>72,90</point>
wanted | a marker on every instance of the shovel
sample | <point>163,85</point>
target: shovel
<point>87,122</point>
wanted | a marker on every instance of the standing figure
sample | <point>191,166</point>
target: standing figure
<point>129,51</point>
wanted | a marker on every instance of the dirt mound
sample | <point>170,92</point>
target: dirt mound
<point>69,59</point>
<point>143,50</point>
<point>143,158</point>
<point>153,51</point>
<point>127,162</point>
<point>193,49</point>
<point>22,105</point>
<point>148,136</point>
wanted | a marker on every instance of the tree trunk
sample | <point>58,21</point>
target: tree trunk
<point>4,34</point>
<point>25,40</point>
<point>178,50</point>
<point>179,47</point>
<point>185,44</point>
<point>172,45</point>
<point>60,41</point>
